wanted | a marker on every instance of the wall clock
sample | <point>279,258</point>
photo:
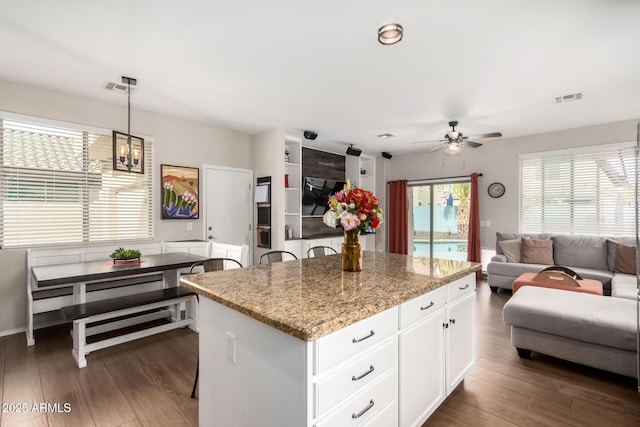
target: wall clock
<point>496,190</point>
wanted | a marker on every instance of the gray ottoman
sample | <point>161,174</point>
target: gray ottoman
<point>592,330</point>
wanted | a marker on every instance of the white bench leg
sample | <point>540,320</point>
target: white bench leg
<point>192,313</point>
<point>79,343</point>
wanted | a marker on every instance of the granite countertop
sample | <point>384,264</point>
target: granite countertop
<point>313,297</point>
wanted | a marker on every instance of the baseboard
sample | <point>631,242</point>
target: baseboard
<point>12,331</point>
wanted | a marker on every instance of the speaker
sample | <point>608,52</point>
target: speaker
<point>353,151</point>
<point>309,134</point>
<point>386,155</point>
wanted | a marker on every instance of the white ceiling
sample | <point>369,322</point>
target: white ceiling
<point>250,65</point>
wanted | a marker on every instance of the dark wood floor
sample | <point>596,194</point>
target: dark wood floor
<point>148,382</point>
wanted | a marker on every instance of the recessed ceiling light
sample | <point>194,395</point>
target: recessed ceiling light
<point>386,135</point>
<point>390,34</point>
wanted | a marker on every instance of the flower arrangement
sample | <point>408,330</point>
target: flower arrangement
<point>353,209</point>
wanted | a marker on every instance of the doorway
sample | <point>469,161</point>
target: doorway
<point>439,219</point>
<point>229,203</point>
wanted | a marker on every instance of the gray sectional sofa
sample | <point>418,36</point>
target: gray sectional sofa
<point>593,330</point>
<point>593,257</point>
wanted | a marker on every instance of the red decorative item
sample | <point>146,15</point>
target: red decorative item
<point>286,181</point>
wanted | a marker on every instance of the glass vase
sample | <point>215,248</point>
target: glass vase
<point>351,251</point>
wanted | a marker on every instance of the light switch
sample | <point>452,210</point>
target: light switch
<point>189,226</point>
<point>487,222</point>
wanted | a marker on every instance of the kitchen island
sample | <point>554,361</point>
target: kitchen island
<point>304,343</point>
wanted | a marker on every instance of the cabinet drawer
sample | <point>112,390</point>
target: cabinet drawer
<point>385,417</point>
<point>360,336</point>
<point>461,287</point>
<point>422,306</point>
<point>365,405</point>
<point>364,370</point>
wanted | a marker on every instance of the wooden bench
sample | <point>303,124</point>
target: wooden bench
<point>114,308</point>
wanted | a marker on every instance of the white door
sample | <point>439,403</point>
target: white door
<point>229,203</point>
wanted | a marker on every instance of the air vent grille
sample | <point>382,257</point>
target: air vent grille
<point>567,98</point>
<point>117,87</point>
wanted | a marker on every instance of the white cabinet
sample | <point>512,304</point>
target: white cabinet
<point>393,368</point>
<point>295,247</point>
<point>367,243</point>
<point>421,362</point>
<point>355,377</point>
<point>460,340</point>
<point>436,348</point>
<point>293,186</point>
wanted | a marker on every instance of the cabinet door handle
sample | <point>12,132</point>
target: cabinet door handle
<point>464,287</point>
<point>431,304</point>
<point>361,413</point>
<point>452,321</point>
<point>361,376</point>
<point>357,340</point>
<point>445,325</point>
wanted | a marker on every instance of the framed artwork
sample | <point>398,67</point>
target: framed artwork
<point>180,192</point>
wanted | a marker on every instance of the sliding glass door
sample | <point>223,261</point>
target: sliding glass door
<point>439,219</point>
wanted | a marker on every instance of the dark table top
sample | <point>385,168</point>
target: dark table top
<point>61,274</point>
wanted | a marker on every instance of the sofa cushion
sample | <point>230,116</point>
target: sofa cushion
<point>536,251</point>
<point>512,269</point>
<point>612,248</point>
<point>580,251</point>
<point>624,286</point>
<point>512,236</point>
<point>626,260</point>
<point>584,317</point>
<point>511,249</point>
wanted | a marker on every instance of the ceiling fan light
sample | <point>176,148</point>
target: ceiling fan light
<point>453,148</point>
<point>390,34</point>
<point>452,134</point>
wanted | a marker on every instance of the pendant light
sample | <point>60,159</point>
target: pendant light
<point>128,150</point>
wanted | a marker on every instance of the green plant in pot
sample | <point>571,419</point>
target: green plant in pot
<point>125,254</point>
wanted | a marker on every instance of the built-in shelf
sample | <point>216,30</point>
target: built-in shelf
<point>292,195</point>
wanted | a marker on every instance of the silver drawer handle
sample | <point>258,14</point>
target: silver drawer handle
<point>464,287</point>
<point>361,376</point>
<point>357,340</point>
<point>361,413</point>
<point>429,306</point>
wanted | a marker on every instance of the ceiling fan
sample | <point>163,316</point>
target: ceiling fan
<point>454,141</point>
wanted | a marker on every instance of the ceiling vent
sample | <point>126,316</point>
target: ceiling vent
<point>117,87</point>
<point>567,98</point>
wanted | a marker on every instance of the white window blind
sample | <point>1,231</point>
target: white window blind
<point>579,191</point>
<point>57,186</point>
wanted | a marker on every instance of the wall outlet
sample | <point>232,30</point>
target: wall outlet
<point>189,226</point>
<point>231,347</point>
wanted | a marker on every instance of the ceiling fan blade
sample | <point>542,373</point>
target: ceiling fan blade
<point>472,144</point>
<point>424,142</point>
<point>487,135</point>
<point>436,148</point>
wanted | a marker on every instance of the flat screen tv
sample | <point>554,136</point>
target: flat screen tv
<point>315,194</point>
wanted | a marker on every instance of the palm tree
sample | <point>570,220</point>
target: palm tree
<point>463,190</point>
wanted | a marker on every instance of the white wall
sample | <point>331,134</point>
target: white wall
<point>177,142</point>
<point>267,159</point>
<point>498,160</point>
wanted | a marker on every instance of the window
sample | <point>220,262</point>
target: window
<point>579,191</point>
<point>57,186</point>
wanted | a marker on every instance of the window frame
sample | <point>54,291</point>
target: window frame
<point>85,201</point>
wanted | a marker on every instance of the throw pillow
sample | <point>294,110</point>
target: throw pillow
<point>626,259</point>
<point>536,251</point>
<point>511,249</point>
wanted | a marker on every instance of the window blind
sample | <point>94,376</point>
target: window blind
<point>57,186</point>
<point>579,191</point>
